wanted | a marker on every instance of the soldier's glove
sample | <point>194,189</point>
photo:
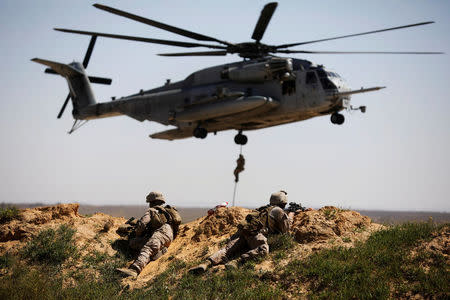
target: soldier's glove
<point>124,229</point>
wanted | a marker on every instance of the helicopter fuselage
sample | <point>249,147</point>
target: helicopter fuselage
<point>246,95</point>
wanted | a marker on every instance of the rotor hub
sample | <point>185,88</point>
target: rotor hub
<point>250,49</point>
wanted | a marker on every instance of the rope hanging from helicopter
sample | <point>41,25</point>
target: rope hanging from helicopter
<point>239,168</point>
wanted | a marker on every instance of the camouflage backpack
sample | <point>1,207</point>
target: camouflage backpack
<point>255,221</point>
<point>157,219</point>
<point>175,218</point>
<point>168,215</point>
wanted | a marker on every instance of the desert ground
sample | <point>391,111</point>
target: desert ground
<point>327,247</point>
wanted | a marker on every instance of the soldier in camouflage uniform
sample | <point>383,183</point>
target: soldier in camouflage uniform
<point>239,167</point>
<point>154,233</point>
<point>251,237</point>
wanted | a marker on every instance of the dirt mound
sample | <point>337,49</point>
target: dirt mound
<point>222,222</point>
<point>439,244</point>
<point>325,228</point>
<point>30,220</point>
<point>90,233</point>
<point>314,230</point>
<point>42,215</point>
<point>328,223</point>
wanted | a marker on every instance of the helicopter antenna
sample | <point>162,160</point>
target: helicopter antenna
<point>76,125</point>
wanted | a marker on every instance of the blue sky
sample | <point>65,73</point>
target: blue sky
<point>394,157</point>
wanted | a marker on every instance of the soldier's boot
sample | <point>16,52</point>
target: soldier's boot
<point>132,271</point>
<point>244,257</point>
<point>200,269</point>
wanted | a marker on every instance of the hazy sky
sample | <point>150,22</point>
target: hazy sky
<point>394,157</point>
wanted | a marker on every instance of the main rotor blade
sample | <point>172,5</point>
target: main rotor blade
<point>354,52</point>
<point>205,53</point>
<point>140,39</point>
<point>63,107</point>
<point>263,21</point>
<point>87,57</point>
<point>351,35</point>
<point>183,32</point>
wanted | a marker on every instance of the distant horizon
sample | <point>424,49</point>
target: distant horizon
<point>200,207</point>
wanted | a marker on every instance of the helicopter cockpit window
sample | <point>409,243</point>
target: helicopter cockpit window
<point>321,73</point>
<point>324,80</point>
<point>311,78</point>
<point>333,74</point>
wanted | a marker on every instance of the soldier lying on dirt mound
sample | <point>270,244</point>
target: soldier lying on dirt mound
<point>157,228</point>
<point>251,237</point>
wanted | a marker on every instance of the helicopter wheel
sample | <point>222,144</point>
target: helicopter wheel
<point>337,119</point>
<point>200,133</point>
<point>240,139</point>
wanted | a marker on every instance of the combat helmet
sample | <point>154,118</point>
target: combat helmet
<point>278,198</point>
<point>155,197</point>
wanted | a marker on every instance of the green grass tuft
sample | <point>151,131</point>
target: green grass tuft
<point>243,283</point>
<point>51,246</point>
<point>6,260</point>
<point>280,242</point>
<point>8,213</point>
<point>330,213</point>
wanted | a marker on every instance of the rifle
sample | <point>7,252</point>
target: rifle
<point>128,229</point>
<point>295,207</point>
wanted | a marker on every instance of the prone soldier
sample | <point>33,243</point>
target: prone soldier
<point>251,238</point>
<point>154,232</point>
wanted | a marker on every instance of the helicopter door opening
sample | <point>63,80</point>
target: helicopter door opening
<point>288,87</point>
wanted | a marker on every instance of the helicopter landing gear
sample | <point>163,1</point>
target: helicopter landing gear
<point>337,118</point>
<point>240,139</point>
<point>200,132</point>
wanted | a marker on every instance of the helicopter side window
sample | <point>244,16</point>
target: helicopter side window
<point>311,78</point>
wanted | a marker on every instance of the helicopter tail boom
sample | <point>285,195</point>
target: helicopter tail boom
<point>79,83</point>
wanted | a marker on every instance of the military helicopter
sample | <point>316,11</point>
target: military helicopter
<point>260,91</point>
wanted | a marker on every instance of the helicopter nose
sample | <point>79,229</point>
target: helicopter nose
<point>342,86</point>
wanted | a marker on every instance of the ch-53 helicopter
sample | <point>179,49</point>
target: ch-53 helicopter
<point>260,91</point>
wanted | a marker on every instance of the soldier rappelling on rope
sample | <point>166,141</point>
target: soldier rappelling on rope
<point>239,168</point>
